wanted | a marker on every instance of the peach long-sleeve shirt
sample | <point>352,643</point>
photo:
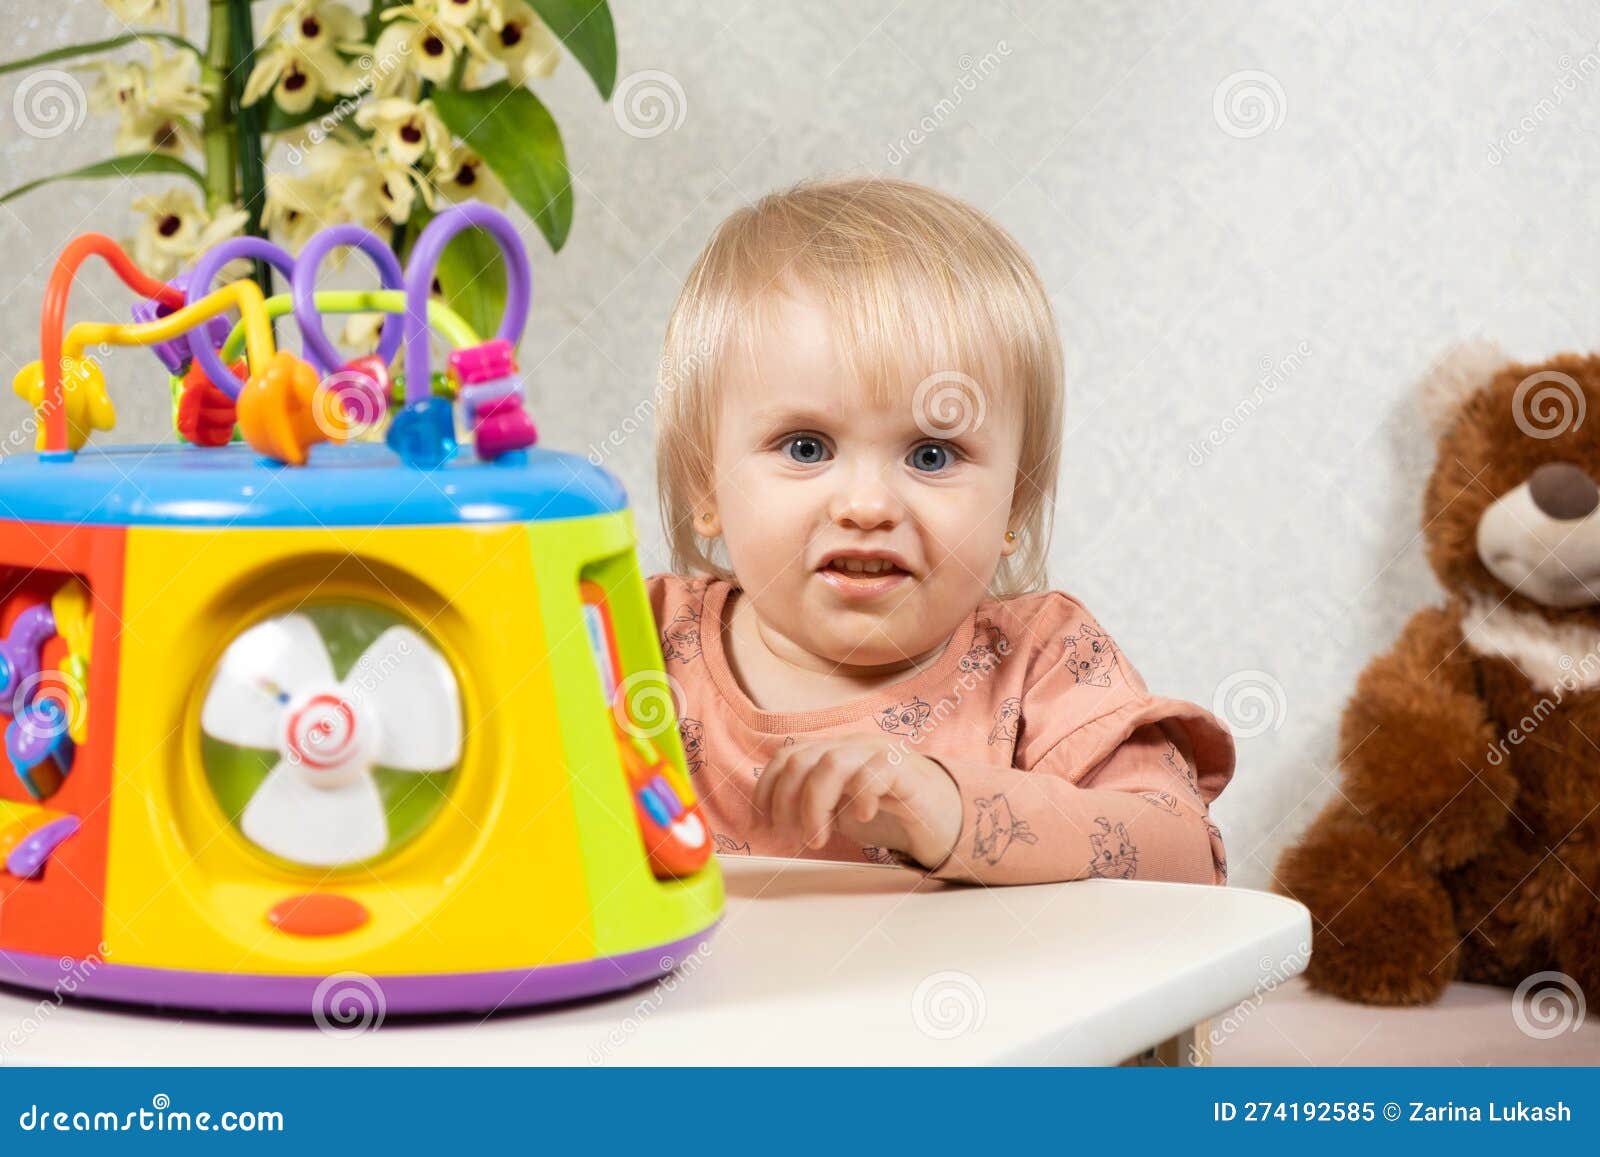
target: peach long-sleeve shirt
<point>1067,765</point>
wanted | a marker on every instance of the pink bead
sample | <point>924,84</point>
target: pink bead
<point>483,363</point>
<point>503,426</point>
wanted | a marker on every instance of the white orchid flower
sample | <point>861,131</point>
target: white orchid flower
<point>176,227</point>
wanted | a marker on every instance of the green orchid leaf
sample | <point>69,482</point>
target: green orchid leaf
<point>585,27</point>
<point>73,50</point>
<point>134,165</point>
<point>517,137</point>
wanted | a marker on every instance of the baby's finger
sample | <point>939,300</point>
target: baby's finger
<point>863,793</point>
<point>770,775</point>
<point>821,794</point>
<point>788,781</point>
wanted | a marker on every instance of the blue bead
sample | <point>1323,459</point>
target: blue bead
<point>653,805</point>
<point>424,434</point>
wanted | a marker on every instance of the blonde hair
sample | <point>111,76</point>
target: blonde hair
<point>900,267</point>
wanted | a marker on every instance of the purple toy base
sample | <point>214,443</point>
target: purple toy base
<point>323,996</point>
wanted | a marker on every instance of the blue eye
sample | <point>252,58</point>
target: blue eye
<point>930,457</point>
<point>805,449</point>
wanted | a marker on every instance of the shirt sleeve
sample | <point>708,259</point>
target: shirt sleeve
<point>1109,780</point>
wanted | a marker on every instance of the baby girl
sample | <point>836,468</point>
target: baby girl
<point>858,442</point>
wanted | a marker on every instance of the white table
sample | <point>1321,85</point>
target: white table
<point>814,963</point>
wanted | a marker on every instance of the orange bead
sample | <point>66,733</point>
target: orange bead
<point>283,412</point>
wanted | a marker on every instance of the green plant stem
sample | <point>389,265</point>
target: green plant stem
<point>252,170</point>
<point>220,147</point>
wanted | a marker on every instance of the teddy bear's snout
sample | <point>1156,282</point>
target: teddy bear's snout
<point>1542,538</point>
<point>1563,491</point>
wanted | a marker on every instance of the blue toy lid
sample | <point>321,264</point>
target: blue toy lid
<point>356,484</point>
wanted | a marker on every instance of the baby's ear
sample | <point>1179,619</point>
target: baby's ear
<point>1455,377</point>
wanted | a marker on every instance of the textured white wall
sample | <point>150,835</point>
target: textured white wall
<point>1423,172</point>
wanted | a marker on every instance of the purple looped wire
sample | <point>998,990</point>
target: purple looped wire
<point>303,288</point>
<point>205,272</point>
<point>419,282</point>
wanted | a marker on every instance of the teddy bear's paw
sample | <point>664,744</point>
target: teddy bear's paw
<point>1382,927</point>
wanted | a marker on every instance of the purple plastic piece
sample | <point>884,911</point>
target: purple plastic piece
<point>19,654</point>
<point>303,287</point>
<point>471,397</point>
<point>307,996</point>
<point>664,792</point>
<point>419,282</point>
<point>175,352</point>
<point>38,733</point>
<point>27,859</point>
<point>200,278</point>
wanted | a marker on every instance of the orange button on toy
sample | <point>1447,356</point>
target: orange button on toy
<point>318,914</point>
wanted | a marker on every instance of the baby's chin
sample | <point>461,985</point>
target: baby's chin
<point>854,641</point>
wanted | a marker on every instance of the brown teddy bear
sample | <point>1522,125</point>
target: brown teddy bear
<point>1464,840</point>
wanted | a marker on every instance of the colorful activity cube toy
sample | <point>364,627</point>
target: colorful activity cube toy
<point>334,687</point>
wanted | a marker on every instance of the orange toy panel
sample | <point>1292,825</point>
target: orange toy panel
<point>61,911</point>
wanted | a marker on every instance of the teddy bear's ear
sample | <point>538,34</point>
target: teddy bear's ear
<point>1455,377</point>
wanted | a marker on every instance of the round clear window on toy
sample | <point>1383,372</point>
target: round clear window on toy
<point>331,735</point>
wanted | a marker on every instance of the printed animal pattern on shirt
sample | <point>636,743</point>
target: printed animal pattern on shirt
<point>693,734</point>
<point>995,829</point>
<point>1219,858</point>
<point>727,846</point>
<point>1164,800</point>
<point>906,718</point>
<point>788,741</point>
<point>680,638</point>
<point>989,646</point>
<point>1006,720</point>
<point>1090,656</point>
<point>1181,766</point>
<point>1116,856</point>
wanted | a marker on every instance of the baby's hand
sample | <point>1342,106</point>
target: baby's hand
<point>867,788</point>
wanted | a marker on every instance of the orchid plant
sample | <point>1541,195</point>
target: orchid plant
<point>378,118</point>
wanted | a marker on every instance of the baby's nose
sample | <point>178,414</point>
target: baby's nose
<point>1563,491</point>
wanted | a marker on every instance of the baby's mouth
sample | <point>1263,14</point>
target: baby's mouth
<point>864,567</point>
<point>862,578</point>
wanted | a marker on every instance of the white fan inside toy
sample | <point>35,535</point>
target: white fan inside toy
<point>275,689</point>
